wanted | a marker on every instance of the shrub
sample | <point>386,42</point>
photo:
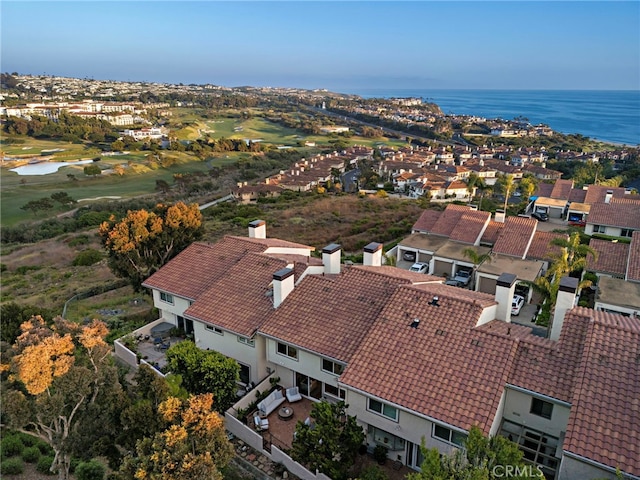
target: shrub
<point>29,440</point>
<point>91,470</point>
<point>44,465</point>
<point>11,445</point>
<point>12,466</point>
<point>373,472</point>
<point>87,258</point>
<point>79,240</point>
<point>45,448</point>
<point>31,454</point>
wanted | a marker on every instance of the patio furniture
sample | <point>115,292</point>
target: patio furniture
<point>293,394</point>
<point>269,404</point>
<point>285,413</point>
<point>261,423</point>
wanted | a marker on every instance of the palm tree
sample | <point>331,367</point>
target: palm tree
<point>575,251</point>
<point>477,259</point>
<point>507,186</point>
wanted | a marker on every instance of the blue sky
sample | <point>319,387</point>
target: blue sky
<point>341,46</point>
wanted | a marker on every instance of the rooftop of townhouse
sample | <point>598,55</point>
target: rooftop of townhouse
<point>624,215</point>
<point>633,266</point>
<point>611,257</point>
<point>615,291</point>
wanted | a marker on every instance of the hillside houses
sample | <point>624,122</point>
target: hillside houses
<point>414,359</point>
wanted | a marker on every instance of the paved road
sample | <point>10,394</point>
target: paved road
<point>350,180</point>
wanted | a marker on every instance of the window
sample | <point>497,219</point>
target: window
<point>626,232</point>
<point>387,439</point>
<point>335,391</point>
<point>599,229</point>
<point>166,297</point>
<point>287,350</point>
<point>332,367</point>
<point>217,330</point>
<point>448,435</point>
<point>247,341</point>
<point>541,408</point>
<point>382,409</point>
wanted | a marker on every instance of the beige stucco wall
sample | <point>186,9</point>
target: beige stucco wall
<point>518,404</point>
<point>572,468</point>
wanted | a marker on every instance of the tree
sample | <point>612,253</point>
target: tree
<point>528,185</point>
<point>143,241</point>
<point>205,371</point>
<point>12,315</point>
<point>472,183</point>
<point>57,373</point>
<point>92,170</point>
<point>506,183</point>
<point>194,445</point>
<point>483,458</point>
<point>63,198</point>
<point>36,205</point>
<point>476,258</point>
<point>576,253</point>
<point>331,444</point>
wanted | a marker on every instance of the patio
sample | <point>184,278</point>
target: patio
<point>281,431</point>
<point>154,352</point>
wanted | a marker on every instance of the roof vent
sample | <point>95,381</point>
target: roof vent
<point>475,342</point>
<point>434,301</point>
<point>440,332</point>
<point>415,323</point>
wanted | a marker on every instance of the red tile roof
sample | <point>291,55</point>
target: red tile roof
<point>449,219</point>
<point>612,257</point>
<point>239,301</point>
<point>541,248</point>
<point>624,215</point>
<point>470,226</point>
<point>426,369</point>
<point>561,189</point>
<point>544,189</point>
<point>199,266</point>
<point>604,423</point>
<point>577,195</point>
<point>633,266</point>
<point>331,317</point>
<point>597,193</point>
<point>515,237</point>
<point>427,220</point>
<point>492,232</point>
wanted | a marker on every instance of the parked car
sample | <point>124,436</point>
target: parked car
<point>409,256</point>
<point>453,283</point>
<point>463,277</point>
<point>540,216</point>
<point>516,304</point>
<point>420,267</point>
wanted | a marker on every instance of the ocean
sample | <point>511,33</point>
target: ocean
<point>612,116</point>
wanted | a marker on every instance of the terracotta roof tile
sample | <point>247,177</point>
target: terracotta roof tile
<point>597,193</point>
<point>427,219</point>
<point>604,423</point>
<point>492,232</point>
<point>577,195</point>
<point>470,226</point>
<point>541,248</point>
<point>633,266</point>
<point>332,316</point>
<point>561,189</point>
<point>239,302</point>
<point>426,369</point>
<point>544,189</point>
<point>198,266</point>
<point>516,236</point>
<point>612,257</point>
<point>448,219</point>
<point>624,215</point>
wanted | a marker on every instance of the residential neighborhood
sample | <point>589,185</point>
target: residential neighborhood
<point>414,358</point>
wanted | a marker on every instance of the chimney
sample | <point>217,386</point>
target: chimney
<point>499,217</point>
<point>283,283</point>
<point>607,197</point>
<point>505,289</point>
<point>258,229</point>
<point>331,258</point>
<point>373,255</point>
<point>565,302</point>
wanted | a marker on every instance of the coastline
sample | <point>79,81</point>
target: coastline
<point>598,114</point>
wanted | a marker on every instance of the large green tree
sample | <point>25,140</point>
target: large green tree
<point>143,241</point>
<point>330,442</point>
<point>483,458</point>
<point>205,371</point>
